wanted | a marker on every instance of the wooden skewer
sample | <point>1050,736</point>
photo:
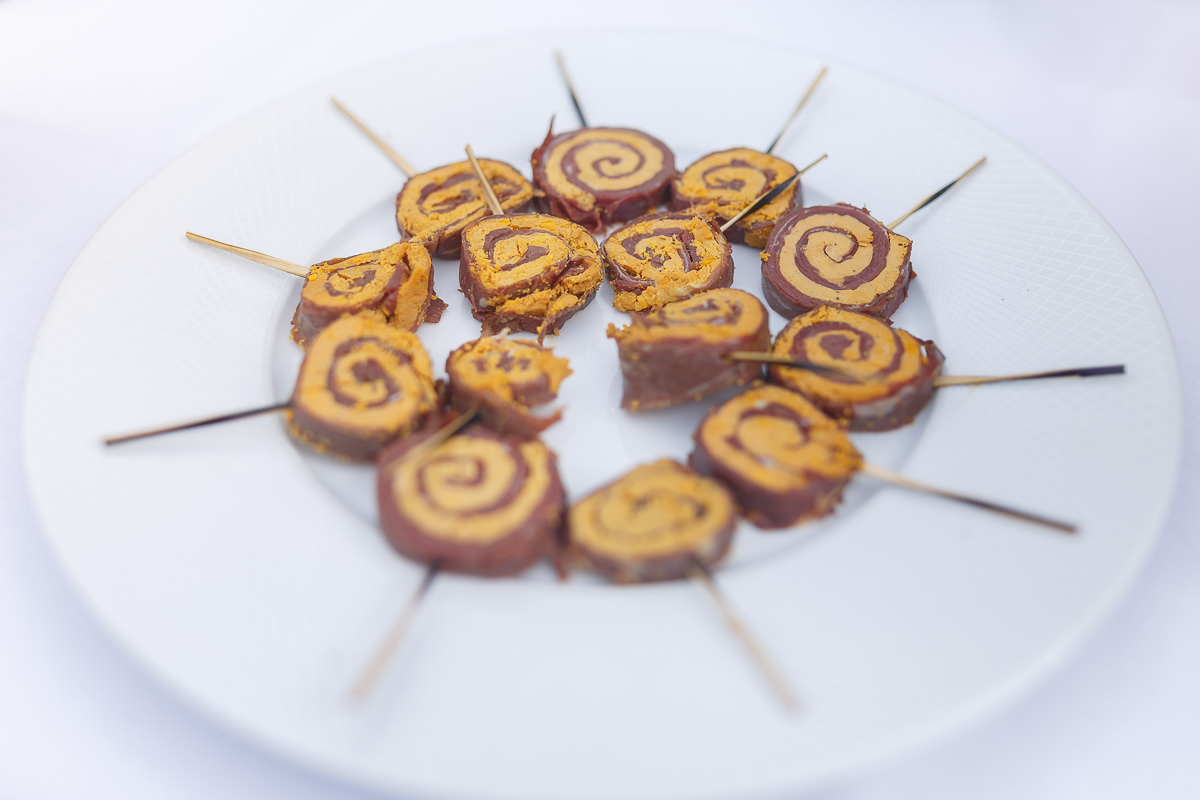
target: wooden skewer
<point>129,437</point>
<point>396,158</point>
<point>938,193</point>
<point>492,200</point>
<point>796,111</point>
<point>253,255</point>
<point>896,479</point>
<point>767,197</point>
<point>704,578</point>
<point>799,363</point>
<point>562,70</point>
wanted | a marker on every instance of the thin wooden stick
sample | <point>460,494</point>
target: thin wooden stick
<point>704,578</point>
<point>492,200</point>
<point>938,193</point>
<point>129,437</point>
<point>896,479</point>
<point>812,88</point>
<point>785,361</point>
<point>1077,372</point>
<point>562,70</point>
<point>768,196</point>
<point>397,159</point>
<point>253,255</point>
<point>375,667</point>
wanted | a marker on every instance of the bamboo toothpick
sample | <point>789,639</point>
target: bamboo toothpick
<point>1077,372</point>
<point>387,648</point>
<point>252,255</point>
<point>562,70</point>
<point>896,479</point>
<point>768,196</point>
<point>704,578</point>
<point>145,434</point>
<point>812,88</point>
<point>492,200</point>
<point>938,193</point>
<point>396,158</point>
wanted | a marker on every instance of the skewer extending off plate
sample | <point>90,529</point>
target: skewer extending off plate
<point>253,255</point>
<point>397,159</point>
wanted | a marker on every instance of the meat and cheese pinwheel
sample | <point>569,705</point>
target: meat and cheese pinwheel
<point>721,184</point>
<point>784,460</point>
<point>880,377</point>
<point>599,176</point>
<point>654,523</point>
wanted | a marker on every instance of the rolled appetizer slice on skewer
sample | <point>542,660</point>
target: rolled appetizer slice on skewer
<point>679,353</point>
<point>362,385</point>
<point>665,257</point>
<point>477,503</point>
<point>784,460</point>
<point>504,379</point>
<point>880,377</point>
<point>600,176</point>
<point>654,523</point>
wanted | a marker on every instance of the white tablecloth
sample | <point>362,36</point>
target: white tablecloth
<point>95,98</point>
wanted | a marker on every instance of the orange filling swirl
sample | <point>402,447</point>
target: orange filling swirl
<point>665,257</point>
<point>725,182</point>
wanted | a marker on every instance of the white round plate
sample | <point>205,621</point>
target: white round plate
<point>249,578</point>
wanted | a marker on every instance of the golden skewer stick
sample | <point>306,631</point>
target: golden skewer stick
<point>396,158</point>
<point>767,197</point>
<point>253,255</point>
<point>704,578</point>
<point>488,192</point>
<point>562,70</point>
<point>896,479</point>
<point>812,88</point>
<point>252,412</point>
<point>938,193</point>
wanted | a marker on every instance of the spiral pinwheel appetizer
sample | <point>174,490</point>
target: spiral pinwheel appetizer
<point>881,376</point>
<point>435,206</point>
<point>661,258</point>
<point>723,183</point>
<point>678,353</point>
<point>835,256</point>
<point>784,460</point>
<point>477,503</point>
<point>528,272</point>
<point>599,176</point>
<point>362,384</point>
<point>396,282</point>
<point>503,379</point>
<point>654,523</point>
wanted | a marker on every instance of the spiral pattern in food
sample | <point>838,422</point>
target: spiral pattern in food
<point>362,384</point>
<point>885,374</point>
<point>784,460</point>
<point>679,352</point>
<point>476,503</point>
<point>654,523</point>
<point>502,378</point>
<point>665,257</point>
<point>835,256</point>
<point>723,183</point>
<point>528,272</point>
<point>396,282</point>
<point>598,176</point>
<point>434,207</point>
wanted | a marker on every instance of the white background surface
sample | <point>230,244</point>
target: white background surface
<point>95,99</point>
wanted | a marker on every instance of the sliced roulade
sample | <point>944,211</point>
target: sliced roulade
<point>723,183</point>
<point>881,376</point>
<point>652,524</point>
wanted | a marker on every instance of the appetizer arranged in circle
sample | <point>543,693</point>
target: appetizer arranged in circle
<point>679,353</point>
<point>433,207</point>
<point>665,257</point>
<point>598,176</point>
<point>654,523</point>
<point>396,282</point>
<point>784,460</point>
<point>476,503</point>
<point>880,376</point>
<point>835,255</point>
<point>362,384</point>
<point>721,184</point>
<point>528,272</point>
